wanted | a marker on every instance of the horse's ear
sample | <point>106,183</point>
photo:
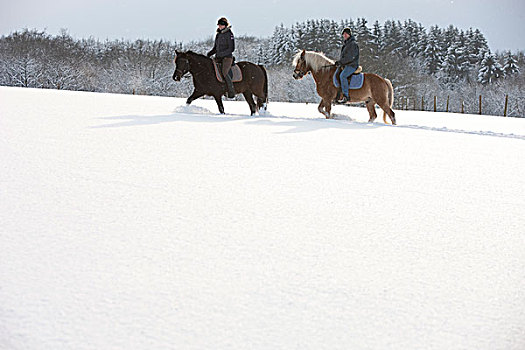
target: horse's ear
<point>302,53</point>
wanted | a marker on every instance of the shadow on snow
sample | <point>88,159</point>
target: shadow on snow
<point>296,124</point>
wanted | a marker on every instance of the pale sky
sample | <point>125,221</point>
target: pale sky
<point>501,21</point>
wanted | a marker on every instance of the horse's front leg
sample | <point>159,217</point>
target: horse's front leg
<point>328,107</point>
<point>195,95</point>
<point>218,99</point>
<point>324,108</point>
<point>321,110</point>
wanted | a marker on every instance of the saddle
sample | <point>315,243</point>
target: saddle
<point>355,81</point>
<point>235,72</point>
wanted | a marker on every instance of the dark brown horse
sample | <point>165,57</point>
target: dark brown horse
<point>254,82</point>
<point>375,89</point>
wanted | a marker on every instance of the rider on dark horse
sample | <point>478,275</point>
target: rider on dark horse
<point>223,51</point>
<point>347,64</point>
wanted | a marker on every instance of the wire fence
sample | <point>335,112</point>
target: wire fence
<point>506,106</point>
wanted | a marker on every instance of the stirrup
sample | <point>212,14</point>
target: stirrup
<point>343,100</point>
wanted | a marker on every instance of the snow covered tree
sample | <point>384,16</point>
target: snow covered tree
<point>477,46</point>
<point>332,39</point>
<point>393,38</point>
<point>490,70</point>
<point>364,38</point>
<point>449,37</point>
<point>433,57</point>
<point>510,65</point>
<point>455,65</point>
<point>413,37</point>
<point>281,45</point>
<point>376,42</point>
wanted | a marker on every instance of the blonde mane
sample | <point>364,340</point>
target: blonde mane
<point>316,60</point>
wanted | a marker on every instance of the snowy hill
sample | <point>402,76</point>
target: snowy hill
<point>131,222</point>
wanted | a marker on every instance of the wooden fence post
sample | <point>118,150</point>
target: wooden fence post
<point>448,98</point>
<point>462,107</point>
<point>479,104</point>
<point>415,103</point>
<point>422,103</point>
<point>435,100</point>
<point>506,104</point>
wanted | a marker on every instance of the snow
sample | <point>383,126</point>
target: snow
<point>133,222</point>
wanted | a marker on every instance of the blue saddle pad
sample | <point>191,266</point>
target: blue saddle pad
<point>356,81</point>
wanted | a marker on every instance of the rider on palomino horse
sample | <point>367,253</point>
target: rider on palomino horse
<point>223,51</point>
<point>347,64</point>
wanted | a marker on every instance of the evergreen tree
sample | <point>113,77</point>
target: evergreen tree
<point>364,39</point>
<point>300,36</point>
<point>281,45</point>
<point>490,70</point>
<point>477,46</point>
<point>510,65</point>
<point>449,38</point>
<point>455,65</point>
<point>412,37</point>
<point>421,43</point>
<point>333,40</point>
<point>393,37</point>
<point>376,42</point>
<point>433,58</point>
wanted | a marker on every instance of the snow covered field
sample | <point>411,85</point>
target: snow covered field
<point>132,222</point>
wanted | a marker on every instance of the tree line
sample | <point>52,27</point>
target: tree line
<point>421,63</point>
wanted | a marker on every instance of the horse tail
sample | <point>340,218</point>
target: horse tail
<point>390,97</point>
<point>265,88</point>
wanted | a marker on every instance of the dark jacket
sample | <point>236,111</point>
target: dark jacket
<point>224,44</point>
<point>350,53</point>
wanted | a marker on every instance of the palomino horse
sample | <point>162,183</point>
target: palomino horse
<point>255,80</point>
<point>374,90</point>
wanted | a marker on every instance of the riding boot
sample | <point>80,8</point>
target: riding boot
<point>344,100</point>
<point>229,84</point>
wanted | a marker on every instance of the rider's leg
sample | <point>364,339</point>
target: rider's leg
<point>347,71</point>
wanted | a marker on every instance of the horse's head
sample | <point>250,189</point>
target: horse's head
<point>182,65</point>
<point>301,68</point>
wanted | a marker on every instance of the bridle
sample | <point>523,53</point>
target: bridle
<point>197,69</point>
<point>299,73</point>
<point>182,73</point>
